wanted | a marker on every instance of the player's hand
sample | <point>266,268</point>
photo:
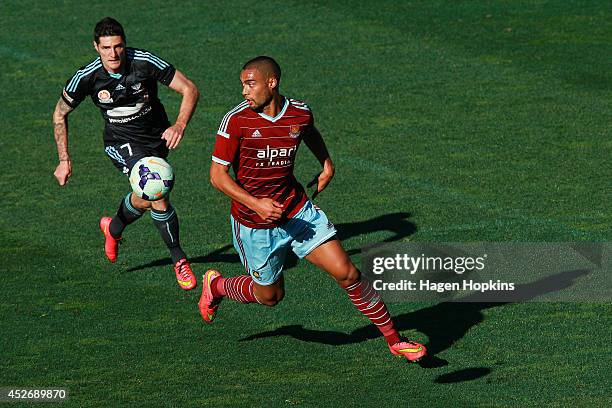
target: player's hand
<point>173,135</point>
<point>322,179</point>
<point>63,171</point>
<point>268,209</point>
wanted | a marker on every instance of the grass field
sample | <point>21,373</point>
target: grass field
<point>449,121</point>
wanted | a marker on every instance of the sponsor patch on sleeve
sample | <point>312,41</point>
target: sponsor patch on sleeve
<point>66,96</point>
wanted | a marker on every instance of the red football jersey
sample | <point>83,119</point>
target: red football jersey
<point>262,150</point>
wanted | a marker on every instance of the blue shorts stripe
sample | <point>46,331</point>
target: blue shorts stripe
<point>114,154</point>
<point>239,241</point>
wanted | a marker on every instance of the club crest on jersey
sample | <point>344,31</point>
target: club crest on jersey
<point>136,86</point>
<point>104,96</point>
<point>294,131</point>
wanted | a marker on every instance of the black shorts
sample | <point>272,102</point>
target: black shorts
<point>125,155</point>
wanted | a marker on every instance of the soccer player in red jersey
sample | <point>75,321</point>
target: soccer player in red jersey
<point>270,211</point>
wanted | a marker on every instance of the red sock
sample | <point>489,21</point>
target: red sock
<point>238,288</point>
<point>368,302</point>
<point>218,289</point>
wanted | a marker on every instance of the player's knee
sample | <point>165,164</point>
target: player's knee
<point>139,203</point>
<point>347,273</point>
<point>271,298</point>
<point>161,205</point>
<point>269,302</point>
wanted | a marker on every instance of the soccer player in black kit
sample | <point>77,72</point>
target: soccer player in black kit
<point>122,82</point>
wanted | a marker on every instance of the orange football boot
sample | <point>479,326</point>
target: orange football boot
<point>184,275</point>
<point>111,244</point>
<point>209,304</point>
<point>412,350</point>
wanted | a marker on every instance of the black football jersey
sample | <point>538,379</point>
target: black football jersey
<point>129,102</point>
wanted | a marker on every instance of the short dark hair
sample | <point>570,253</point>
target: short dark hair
<point>108,27</point>
<point>265,64</point>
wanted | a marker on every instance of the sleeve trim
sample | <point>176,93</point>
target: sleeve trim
<point>218,160</point>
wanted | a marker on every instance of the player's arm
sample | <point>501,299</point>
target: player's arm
<point>268,209</point>
<point>63,171</point>
<point>314,141</point>
<point>181,84</point>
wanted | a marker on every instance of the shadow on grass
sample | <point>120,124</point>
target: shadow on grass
<point>444,324</point>
<point>397,223</point>
<point>467,374</point>
<point>218,255</point>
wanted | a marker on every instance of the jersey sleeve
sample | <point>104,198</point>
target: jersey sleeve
<point>303,106</point>
<point>227,142</point>
<point>311,124</point>
<point>79,85</point>
<point>156,67</point>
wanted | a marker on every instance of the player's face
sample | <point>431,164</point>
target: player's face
<point>112,52</point>
<point>256,88</point>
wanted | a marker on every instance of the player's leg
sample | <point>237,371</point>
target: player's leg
<point>130,210</point>
<point>166,221</point>
<point>315,240</point>
<point>262,252</point>
<point>334,260</point>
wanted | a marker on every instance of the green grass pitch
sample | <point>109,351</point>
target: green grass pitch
<point>448,121</point>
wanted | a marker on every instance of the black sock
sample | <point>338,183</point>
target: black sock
<point>126,214</point>
<point>167,224</point>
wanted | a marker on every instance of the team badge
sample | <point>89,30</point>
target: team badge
<point>294,131</point>
<point>104,96</point>
<point>136,86</point>
<point>256,274</point>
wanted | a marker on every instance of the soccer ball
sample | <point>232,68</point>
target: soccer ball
<point>152,178</point>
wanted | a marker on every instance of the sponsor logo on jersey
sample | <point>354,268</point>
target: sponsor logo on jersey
<point>275,152</point>
<point>294,131</point>
<point>277,156</point>
<point>256,133</point>
<point>104,96</point>
<point>119,87</point>
<point>67,97</point>
<point>130,118</point>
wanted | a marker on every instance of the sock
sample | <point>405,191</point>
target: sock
<point>126,214</point>
<point>167,224</point>
<point>238,288</point>
<point>368,302</point>
<point>218,287</point>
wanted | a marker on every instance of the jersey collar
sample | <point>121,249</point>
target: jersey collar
<point>277,117</point>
